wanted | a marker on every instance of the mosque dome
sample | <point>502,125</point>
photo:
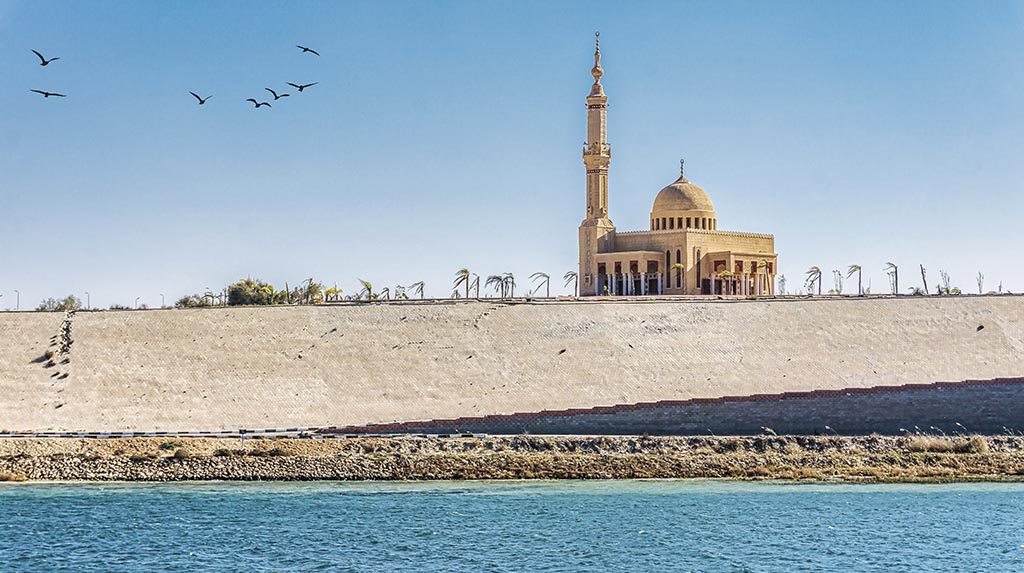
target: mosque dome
<point>682,196</point>
<point>683,205</point>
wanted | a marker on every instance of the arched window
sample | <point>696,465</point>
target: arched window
<point>668,268</point>
<point>687,222</point>
<point>672,223</point>
<point>679,272</point>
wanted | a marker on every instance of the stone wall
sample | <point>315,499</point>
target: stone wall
<point>353,365</point>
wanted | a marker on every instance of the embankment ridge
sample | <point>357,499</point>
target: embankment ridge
<point>356,365</point>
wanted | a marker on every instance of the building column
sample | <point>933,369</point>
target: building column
<point>643,283</point>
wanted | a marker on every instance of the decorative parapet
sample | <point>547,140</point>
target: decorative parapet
<point>701,231</point>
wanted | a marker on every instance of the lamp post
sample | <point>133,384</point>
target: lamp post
<point>88,301</point>
<point>17,299</point>
<point>137,302</point>
<point>162,303</point>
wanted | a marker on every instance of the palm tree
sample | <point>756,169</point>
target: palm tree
<point>510,282</point>
<point>680,268</point>
<point>462,278</point>
<point>782,284</point>
<point>476,285</point>
<point>727,275</point>
<point>892,270</point>
<point>762,265</point>
<point>837,279</point>
<point>417,288</point>
<point>814,275</point>
<point>497,282</point>
<point>385,293</point>
<point>367,289</point>
<point>543,277</point>
<point>572,277</point>
<point>849,273</point>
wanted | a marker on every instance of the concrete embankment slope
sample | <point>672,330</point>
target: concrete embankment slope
<point>228,368</point>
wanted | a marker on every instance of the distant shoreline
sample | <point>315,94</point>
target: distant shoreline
<point>865,459</point>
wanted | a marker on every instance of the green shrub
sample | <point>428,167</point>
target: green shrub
<point>172,445</point>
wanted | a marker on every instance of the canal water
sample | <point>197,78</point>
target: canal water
<point>700,526</point>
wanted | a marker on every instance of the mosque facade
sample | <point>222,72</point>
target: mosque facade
<point>683,251</point>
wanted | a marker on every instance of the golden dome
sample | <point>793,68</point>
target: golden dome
<point>682,196</point>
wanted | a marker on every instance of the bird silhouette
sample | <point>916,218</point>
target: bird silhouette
<point>276,97</point>
<point>43,61</point>
<point>48,94</point>
<point>301,87</point>
<point>305,49</point>
<point>201,100</point>
<point>259,103</point>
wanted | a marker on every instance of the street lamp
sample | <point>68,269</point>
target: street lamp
<point>17,300</point>
<point>162,303</point>
<point>88,301</point>
<point>137,302</point>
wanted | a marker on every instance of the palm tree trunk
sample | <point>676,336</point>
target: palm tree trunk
<point>860,286</point>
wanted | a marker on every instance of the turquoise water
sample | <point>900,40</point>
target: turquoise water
<point>511,526</point>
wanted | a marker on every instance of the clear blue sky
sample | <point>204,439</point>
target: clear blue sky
<point>448,135</point>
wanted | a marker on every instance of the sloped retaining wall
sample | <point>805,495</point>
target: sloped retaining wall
<point>981,406</point>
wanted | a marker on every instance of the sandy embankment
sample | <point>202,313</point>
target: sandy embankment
<point>871,458</point>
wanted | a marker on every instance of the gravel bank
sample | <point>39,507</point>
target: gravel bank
<point>871,458</point>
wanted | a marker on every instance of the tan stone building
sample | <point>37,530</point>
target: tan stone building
<point>683,252</point>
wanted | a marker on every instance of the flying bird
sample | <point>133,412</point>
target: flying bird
<point>301,87</point>
<point>276,97</point>
<point>43,61</point>
<point>48,94</point>
<point>201,100</point>
<point>259,103</point>
<point>305,49</point>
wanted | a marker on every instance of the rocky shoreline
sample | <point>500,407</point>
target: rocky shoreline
<point>821,458</point>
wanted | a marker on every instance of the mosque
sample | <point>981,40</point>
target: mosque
<point>683,252</point>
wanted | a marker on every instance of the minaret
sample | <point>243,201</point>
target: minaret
<point>596,230</point>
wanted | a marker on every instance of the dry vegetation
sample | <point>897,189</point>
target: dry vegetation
<point>824,458</point>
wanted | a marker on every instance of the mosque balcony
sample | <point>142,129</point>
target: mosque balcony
<point>597,149</point>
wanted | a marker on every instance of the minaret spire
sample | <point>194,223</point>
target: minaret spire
<point>682,170</point>
<point>597,71</point>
